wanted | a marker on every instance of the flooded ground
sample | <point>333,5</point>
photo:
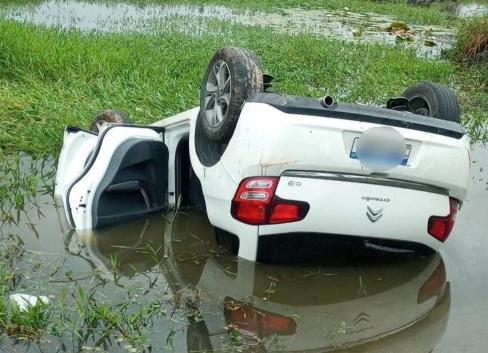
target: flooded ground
<point>209,300</point>
<point>466,263</point>
<point>472,10</point>
<point>187,294</point>
<point>198,20</point>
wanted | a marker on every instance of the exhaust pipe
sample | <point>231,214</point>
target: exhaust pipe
<point>327,101</point>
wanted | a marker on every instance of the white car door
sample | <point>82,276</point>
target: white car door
<point>118,175</point>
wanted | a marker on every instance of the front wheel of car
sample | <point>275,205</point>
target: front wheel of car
<point>434,100</point>
<point>231,76</point>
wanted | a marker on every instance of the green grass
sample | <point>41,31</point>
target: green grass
<point>472,45</point>
<point>50,78</point>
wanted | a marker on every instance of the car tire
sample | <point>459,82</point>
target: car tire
<point>231,76</point>
<point>434,100</point>
<point>108,116</point>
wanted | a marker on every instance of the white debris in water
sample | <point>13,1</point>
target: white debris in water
<point>26,301</point>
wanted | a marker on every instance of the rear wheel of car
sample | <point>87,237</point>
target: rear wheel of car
<point>434,100</point>
<point>231,76</point>
<point>108,116</point>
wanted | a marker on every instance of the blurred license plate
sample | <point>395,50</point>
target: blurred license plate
<point>354,154</point>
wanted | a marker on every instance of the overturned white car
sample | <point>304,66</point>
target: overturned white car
<point>268,167</point>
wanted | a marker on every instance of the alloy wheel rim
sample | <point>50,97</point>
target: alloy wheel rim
<point>217,93</point>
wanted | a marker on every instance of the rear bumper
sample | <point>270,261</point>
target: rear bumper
<point>361,206</point>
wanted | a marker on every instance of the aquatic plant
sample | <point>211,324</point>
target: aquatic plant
<point>22,178</point>
<point>79,314</point>
<point>15,320</point>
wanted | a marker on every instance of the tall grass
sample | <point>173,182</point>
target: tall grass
<point>50,78</point>
<point>472,43</point>
<point>471,53</point>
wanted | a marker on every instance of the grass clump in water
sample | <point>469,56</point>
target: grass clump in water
<point>472,42</point>
<point>471,53</point>
<point>14,321</point>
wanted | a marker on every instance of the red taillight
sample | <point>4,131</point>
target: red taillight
<point>256,322</point>
<point>285,212</point>
<point>441,227</point>
<point>255,203</point>
<point>250,213</point>
<point>252,198</point>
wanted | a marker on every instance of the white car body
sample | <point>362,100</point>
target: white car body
<point>310,150</point>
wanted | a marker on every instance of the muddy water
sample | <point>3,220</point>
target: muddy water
<point>348,301</point>
<point>472,10</point>
<point>466,260</point>
<point>193,20</point>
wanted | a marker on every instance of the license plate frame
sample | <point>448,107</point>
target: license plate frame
<point>353,154</point>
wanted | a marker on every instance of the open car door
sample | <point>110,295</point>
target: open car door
<point>117,175</point>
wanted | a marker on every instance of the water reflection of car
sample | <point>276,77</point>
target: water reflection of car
<point>266,164</point>
<point>133,248</point>
<point>350,301</point>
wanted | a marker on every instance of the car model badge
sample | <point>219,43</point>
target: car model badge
<point>374,215</point>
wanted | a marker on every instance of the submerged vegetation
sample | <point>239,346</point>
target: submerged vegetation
<point>77,313</point>
<point>84,317</point>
